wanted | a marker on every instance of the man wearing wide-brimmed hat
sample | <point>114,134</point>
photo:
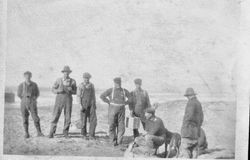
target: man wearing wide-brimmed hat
<point>64,88</point>
<point>117,97</point>
<point>28,92</point>
<point>139,102</point>
<point>192,121</point>
<point>87,100</point>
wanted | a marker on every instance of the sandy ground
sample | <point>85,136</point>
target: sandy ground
<point>219,125</point>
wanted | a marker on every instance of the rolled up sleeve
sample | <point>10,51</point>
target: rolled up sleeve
<point>55,87</point>
<point>105,94</point>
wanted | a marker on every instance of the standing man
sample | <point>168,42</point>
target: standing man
<point>117,97</point>
<point>63,88</point>
<point>28,92</point>
<point>140,102</point>
<point>87,100</point>
<point>191,126</point>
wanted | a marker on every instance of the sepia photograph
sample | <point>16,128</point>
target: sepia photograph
<point>127,78</point>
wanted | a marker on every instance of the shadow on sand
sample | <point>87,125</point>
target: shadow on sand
<point>100,135</point>
<point>208,151</point>
<point>213,150</point>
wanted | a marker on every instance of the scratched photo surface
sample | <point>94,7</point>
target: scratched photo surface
<point>170,44</point>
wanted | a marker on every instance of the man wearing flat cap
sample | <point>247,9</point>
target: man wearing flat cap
<point>191,126</point>
<point>28,92</point>
<point>64,88</point>
<point>87,100</point>
<point>156,134</point>
<point>139,103</point>
<point>117,97</point>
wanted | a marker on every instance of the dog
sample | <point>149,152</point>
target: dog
<point>174,145</point>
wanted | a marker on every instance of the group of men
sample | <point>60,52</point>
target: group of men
<point>116,98</point>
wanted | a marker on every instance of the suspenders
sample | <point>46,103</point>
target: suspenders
<point>113,90</point>
<point>24,88</point>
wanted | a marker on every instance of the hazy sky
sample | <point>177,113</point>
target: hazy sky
<point>171,44</point>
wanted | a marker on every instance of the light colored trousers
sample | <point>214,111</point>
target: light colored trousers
<point>189,148</point>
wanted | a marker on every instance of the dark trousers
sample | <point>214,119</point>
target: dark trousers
<point>85,114</point>
<point>116,119</point>
<point>63,101</point>
<point>29,105</point>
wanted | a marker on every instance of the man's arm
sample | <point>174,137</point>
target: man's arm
<point>74,88</point>
<point>132,104</point>
<point>93,101</point>
<point>105,94</point>
<point>201,114</point>
<point>190,112</point>
<point>148,100</point>
<point>55,88</point>
<point>37,92</point>
<point>128,95</point>
<point>20,90</point>
<point>78,94</point>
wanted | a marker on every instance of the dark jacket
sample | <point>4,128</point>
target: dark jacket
<point>192,120</point>
<point>25,90</point>
<point>154,126</point>
<point>139,102</point>
<point>86,95</point>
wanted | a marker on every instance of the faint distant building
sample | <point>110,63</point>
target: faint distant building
<point>9,97</point>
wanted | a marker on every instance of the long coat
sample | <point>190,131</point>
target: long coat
<point>192,120</point>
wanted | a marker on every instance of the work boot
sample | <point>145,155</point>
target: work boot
<point>51,134</point>
<point>114,143</point>
<point>26,135</point>
<point>84,137</point>
<point>66,134</point>
<point>92,138</point>
<point>26,129</point>
<point>38,128</point>
<point>83,132</point>
<point>52,131</point>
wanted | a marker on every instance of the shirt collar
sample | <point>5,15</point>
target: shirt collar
<point>138,89</point>
<point>65,78</point>
<point>28,83</point>
<point>84,83</point>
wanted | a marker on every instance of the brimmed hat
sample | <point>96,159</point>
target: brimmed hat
<point>189,92</point>
<point>118,80</point>
<point>86,75</point>
<point>27,73</point>
<point>66,69</point>
<point>138,81</point>
<point>150,110</point>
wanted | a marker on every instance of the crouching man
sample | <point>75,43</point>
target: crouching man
<point>86,98</point>
<point>157,134</point>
